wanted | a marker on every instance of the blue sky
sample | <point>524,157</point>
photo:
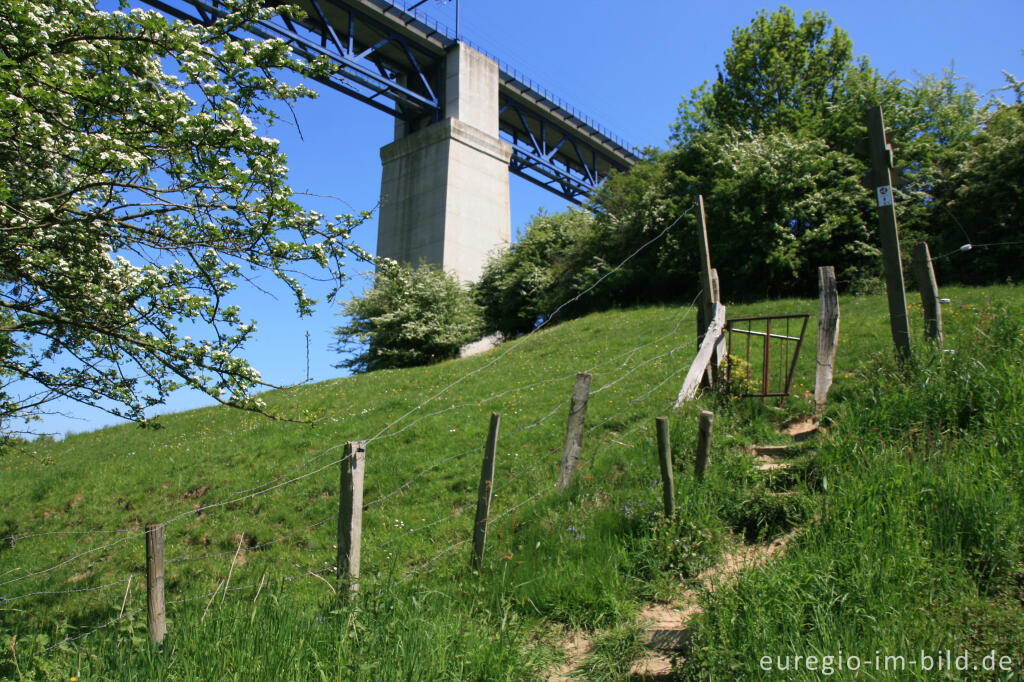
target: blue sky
<point>624,64</point>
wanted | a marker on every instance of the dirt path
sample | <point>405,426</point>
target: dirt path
<point>576,647</point>
<point>666,626</point>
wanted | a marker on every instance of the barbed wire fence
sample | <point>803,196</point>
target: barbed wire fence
<point>444,533</point>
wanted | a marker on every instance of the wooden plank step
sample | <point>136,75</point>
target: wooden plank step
<point>772,450</point>
<point>666,639</point>
<point>772,465</point>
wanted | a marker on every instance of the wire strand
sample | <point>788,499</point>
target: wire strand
<point>5,600</point>
<point>536,329</point>
<point>254,548</point>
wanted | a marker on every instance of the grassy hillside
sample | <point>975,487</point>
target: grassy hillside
<point>915,491</point>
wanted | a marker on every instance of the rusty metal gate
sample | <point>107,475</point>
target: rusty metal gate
<point>758,365</point>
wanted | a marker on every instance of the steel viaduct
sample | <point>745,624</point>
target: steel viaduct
<point>462,123</point>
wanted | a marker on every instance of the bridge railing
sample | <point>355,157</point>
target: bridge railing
<point>450,34</point>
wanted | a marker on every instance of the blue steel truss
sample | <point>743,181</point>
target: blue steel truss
<point>393,60</point>
<point>549,155</point>
<point>375,63</point>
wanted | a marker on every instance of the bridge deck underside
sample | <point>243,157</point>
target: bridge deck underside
<point>393,61</point>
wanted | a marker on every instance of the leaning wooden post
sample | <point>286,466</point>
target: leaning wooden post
<point>574,430</point>
<point>882,180</point>
<point>925,274</point>
<point>707,419</point>
<point>668,489</point>
<point>483,499</point>
<point>828,335</point>
<point>155,534</point>
<point>350,513</point>
<point>704,356</point>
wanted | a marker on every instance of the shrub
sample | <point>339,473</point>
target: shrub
<point>741,380</point>
<point>411,316</point>
<point>540,271</point>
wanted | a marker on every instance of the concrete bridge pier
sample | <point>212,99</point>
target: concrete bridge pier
<point>444,190</point>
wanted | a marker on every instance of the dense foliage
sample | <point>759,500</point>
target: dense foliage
<point>520,286</point>
<point>778,206</point>
<point>135,193</point>
<point>411,316</point>
<point>775,146</point>
<point>777,75</point>
<point>985,196</point>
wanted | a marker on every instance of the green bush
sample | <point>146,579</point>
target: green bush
<point>985,195</point>
<point>410,317</point>
<point>522,285</point>
<point>681,547</point>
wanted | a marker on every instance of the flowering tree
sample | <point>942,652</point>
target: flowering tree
<point>411,316</point>
<point>135,195</point>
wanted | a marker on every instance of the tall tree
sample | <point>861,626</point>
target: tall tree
<point>983,198</point>
<point>785,83</point>
<point>778,75</point>
<point>771,144</point>
<point>135,194</point>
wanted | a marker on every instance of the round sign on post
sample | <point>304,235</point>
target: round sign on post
<point>884,195</point>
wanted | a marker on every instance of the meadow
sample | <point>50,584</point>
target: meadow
<point>908,506</point>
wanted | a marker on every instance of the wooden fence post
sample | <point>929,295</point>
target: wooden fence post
<point>574,430</point>
<point>882,180</point>
<point>925,274</point>
<point>828,335</point>
<point>707,295</point>
<point>668,489</point>
<point>483,499</point>
<point>704,355</point>
<point>155,534</point>
<point>721,350</point>
<point>350,513</point>
<point>709,288</point>
<point>707,419</point>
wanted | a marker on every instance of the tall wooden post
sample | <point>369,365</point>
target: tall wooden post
<point>574,430</point>
<point>925,274</point>
<point>155,534</point>
<point>668,488</point>
<point>881,176</point>
<point>828,335</point>
<point>483,499</point>
<point>707,420</point>
<point>350,513</point>
<point>708,285</point>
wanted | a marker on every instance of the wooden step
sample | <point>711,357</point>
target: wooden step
<point>772,465</point>
<point>666,639</point>
<point>772,450</point>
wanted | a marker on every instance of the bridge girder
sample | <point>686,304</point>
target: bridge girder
<point>394,61</point>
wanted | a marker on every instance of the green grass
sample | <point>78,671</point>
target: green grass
<point>921,543</point>
<point>914,489</point>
